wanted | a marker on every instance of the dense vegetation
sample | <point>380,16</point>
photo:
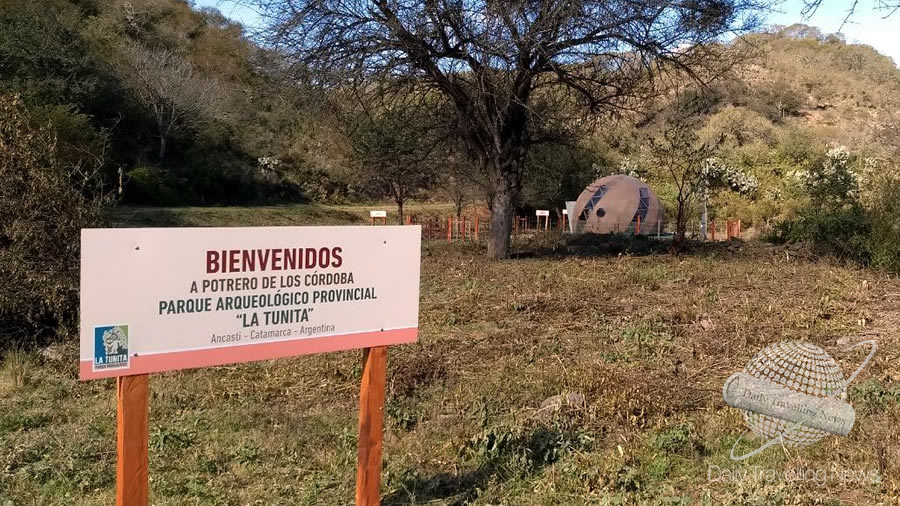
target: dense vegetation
<point>191,111</point>
<point>177,99</point>
<point>165,104</point>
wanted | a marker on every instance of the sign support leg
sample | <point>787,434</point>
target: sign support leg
<point>371,427</point>
<point>132,465</point>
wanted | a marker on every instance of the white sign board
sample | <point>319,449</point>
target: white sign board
<point>565,212</point>
<point>160,299</point>
<point>378,214</point>
<point>542,213</point>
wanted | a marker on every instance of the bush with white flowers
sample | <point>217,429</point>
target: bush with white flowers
<point>717,173</point>
<point>268,164</point>
<point>833,182</point>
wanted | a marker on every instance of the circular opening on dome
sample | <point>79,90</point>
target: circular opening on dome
<point>600,212</point>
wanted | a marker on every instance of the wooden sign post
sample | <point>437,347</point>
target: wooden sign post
<point>298,291</point>
<point>133,460</point>
<point>371,426</point>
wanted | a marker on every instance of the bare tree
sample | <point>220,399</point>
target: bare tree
<point>680,157</point>
<point>458,190</point>
<point>886,7</point>
<point>167,84</point>
<point>491,60</point>
<point>392,148</point>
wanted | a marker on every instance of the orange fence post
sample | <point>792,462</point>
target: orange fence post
<point>463,227</point>
<point>738,229</point>
<point>638,229</point>
<point>476,227</point>
<point>450,228</point>
<point>712,229</point>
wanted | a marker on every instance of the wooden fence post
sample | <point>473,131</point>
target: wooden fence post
<point>476,227</point>
<point>450,228</point>
<point>712,229</point>
<point>638,230</point>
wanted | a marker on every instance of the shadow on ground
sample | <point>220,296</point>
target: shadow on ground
<point>500,454</point>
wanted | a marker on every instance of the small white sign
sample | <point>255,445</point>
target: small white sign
<point>566,212</point>
<point>378,214</point>
<point>540,212</point>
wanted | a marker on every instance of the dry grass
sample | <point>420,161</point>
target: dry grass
<point>17,366</point>
<point>648,341</point>
<point>282,215</point>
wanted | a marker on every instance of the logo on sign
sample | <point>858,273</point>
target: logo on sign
<point>111,347</point>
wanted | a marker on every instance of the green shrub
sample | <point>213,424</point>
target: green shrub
<point>863,227</point>
<point>884,212</point>
<point>840,233</point>
<point>43,206</point>
<point>151,186</point>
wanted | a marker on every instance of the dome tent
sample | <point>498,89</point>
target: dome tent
<point>613,204</point>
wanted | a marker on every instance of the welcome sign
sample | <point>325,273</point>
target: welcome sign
<point>161,299</point>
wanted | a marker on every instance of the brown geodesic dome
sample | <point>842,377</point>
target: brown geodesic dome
<point>612,204</point>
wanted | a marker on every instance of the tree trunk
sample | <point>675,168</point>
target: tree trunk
<point>506,164</point>
<point>502,210</point>
<point>703,219</point>
<point>680,227</point>
<point>400,211</point>
<point>162,147</point>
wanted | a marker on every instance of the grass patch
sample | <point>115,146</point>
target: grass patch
<point>647,340</point>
